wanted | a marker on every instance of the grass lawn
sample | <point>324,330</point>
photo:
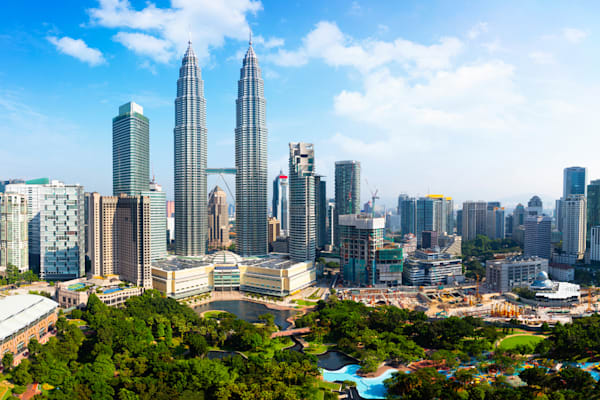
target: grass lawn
<point>213,313</point>
<point>329,385</point>
<point>78,322</point>
<point>5,392</point>
<point>305,302</point>
<point>514,341</point>
<point>317,348</point>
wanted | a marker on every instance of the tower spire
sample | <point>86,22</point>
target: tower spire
<point>250,41</point>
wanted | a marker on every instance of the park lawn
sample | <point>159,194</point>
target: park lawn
<point>213,313</point>
<point>514,341</point>
<point>305,302</point>
<point>329,385</point>
<point>317,348</point>
<point>78,322</point>
<point>5,392</point>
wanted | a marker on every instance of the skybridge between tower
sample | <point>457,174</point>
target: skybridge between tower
<point>221,172</point>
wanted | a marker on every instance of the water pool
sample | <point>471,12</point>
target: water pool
<point>368,388</point>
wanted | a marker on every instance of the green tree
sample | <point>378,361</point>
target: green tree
<point>7,361</point>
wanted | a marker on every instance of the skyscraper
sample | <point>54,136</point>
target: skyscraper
<point>303,235</point>
<point>474,219</point>
<point>574,181</point>
<point>538,231</point>
<point>251,160</point>
<point>190,159</point>
<point>56,228</point>
<point>330,222</point>
<point>119,237</point>
<point>407,208</point>
<point>280,201</point>
<point>13,232</point>
<point>131,150</point>
<point>360,237</point>
<point>321,210</point>
<point>535,206</point>
<point>158,219</point>
<point>574,226</point>
<point>593,206</point>
<point>347,192</point>
<point>218,219</point>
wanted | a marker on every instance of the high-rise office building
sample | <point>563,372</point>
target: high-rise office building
<point>251,160</point>
<point>190,159</point>
<point>538,231</point>
<point>574,226</point>
<point>158,220</point>
<point>131,150</point>
<point>330,222</point>
<point>593,205</point>
<point>321,210</point>
<point>347,192</point>
<point>519,215</point>
<point>302,233</point>
<point>474,218</point>
<point>407,209</point>
<point>535,206</point>
<point>360,237</point>
<point>459,221</point>
<point>495,222</point>
<point>595,243</point>
<point>280,200</point>
<point>274,230</point>
<point>426,217</point>
<point>574,181</point>
<point>56,228</point>
<point>14,245</point>
<point>508,226</point>
<point>218,219</point>
<point>119,237</point>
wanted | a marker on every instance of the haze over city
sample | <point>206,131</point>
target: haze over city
<point>455,98</point>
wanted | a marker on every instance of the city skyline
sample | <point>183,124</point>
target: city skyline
<point>94,50</point>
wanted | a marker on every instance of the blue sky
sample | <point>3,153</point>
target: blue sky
<point>475,100</point>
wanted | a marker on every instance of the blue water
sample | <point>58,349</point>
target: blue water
<point>108,291</point>
<point>369,388</point>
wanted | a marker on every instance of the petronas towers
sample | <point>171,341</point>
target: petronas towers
<point>190,159</point>
<point>250,160</point>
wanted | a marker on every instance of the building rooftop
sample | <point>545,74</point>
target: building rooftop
<point>224,257</point>
<point>16,312</point>
<point>179,263</point>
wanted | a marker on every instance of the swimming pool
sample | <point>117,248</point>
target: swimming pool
<point>369,388</point>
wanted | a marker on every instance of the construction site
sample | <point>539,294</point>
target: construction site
<point>473,300</point>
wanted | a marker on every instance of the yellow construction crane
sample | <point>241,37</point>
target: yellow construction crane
<point>477,295</point>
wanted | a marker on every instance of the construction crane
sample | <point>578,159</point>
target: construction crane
<point>589,307</point>
<point>373,197</point>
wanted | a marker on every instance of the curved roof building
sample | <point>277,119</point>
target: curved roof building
<point>20,312</point>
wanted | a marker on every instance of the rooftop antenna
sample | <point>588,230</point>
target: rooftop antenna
<point>189,35</point>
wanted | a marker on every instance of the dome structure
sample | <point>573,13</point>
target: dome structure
<point>542,281</point>
<point>224,257</point>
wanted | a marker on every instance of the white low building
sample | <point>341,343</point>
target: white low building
<point>555,293</point>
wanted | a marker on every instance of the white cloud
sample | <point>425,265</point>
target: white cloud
<point>542,58</point>
<point>477,29</point>
<point>328,43</point>
<point>574,35</point>
<point>77,48</point>
<point>166,30</point>
<point>267,43</point>
<point>146,45</point>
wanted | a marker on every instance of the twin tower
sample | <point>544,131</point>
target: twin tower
<point>190,133</point>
